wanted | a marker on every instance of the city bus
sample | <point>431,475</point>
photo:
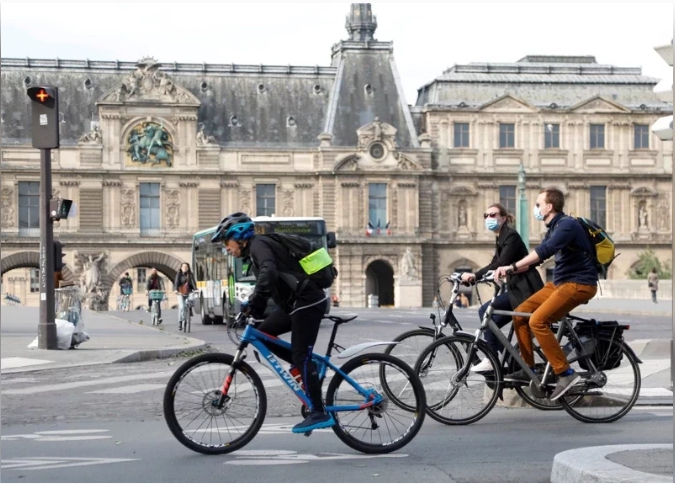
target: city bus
<point>223,280</point>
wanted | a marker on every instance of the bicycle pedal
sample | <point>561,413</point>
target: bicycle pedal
<point>307,434</point>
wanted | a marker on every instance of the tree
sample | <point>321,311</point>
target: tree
<point>646,261</point>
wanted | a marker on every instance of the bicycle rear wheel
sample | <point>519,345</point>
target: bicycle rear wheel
<point>191,412</point>
<point>608,395</point>
<point>454,398</point>
<point>384,427</point>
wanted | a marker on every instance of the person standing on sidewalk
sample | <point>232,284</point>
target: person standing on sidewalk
<point>575,282</point>
<point>183,285</point>
<point>653,283</point>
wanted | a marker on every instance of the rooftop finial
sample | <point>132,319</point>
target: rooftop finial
<point>361,23</point>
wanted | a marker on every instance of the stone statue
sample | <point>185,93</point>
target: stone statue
<point>91,274</point>
<point>407,266</point>
<point>94,136</point>
<point>203,139</point>
<point>462,215</point>
<point>405,163</point>
<point>642,216</point>
<point>8,207</point>
<point>377,129</point>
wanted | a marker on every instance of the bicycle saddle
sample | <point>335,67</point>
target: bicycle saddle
<point>345,318</point>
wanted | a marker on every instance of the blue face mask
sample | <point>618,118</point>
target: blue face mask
<point>492,224</point>
<point>537,214</point>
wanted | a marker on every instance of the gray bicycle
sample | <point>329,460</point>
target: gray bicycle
<point>610,375</point>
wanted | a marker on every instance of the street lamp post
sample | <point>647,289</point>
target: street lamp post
<point>522,216</point>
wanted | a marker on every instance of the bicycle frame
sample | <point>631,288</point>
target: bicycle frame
<point>260,340</point>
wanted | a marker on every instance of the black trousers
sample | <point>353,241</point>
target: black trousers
<point>304,327</point>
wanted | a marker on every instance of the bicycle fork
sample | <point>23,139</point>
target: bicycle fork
<point>227,382</point>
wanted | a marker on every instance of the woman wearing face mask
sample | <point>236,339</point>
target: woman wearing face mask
<point>509,248</point>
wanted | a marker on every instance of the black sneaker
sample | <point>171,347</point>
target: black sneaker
<point>316,420</point>
<point>564,384</point>
<point>180,326</point>
<point>519,376</point>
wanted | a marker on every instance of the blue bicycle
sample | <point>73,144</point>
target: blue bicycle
<point>216,403</point>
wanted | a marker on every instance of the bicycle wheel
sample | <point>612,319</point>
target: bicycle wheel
<point>385,427</point>
<point>191,413</point>
<point>607,395</point>
<point>453,398</point>
<point>525,392</point>
<point>411,345</point>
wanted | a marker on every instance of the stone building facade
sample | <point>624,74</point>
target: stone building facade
<point>152,153</point>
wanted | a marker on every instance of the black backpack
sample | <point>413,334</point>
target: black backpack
<point>299,249</point>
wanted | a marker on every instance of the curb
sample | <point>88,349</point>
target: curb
<point>590,464</point>
<point>160,354</point>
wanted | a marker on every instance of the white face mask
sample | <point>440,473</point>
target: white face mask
<point>537,213</point>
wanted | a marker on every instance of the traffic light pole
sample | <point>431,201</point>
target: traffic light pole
<point>46,325</point>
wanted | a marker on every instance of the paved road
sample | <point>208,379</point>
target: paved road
<point>507,446</point>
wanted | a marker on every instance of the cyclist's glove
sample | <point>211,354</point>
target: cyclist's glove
<point>245,307</point>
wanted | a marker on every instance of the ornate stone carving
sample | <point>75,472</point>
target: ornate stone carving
<point>377,131</point>
<point>90,280</point>
<point>149,142</point>
<point>394,207</point>
<point>148,82</point>
<point>642,217</point>
<point>128,208</point>
<point>664,214</point>
<point>348,163</point>
<point>172,208</point>
<point>407,269</point>
<point>245,197</point>
<point>93,136</point>
<point>8,207</point>
<point>405,163</point>
<point>72,183</point>
<point>229,184</point>
<point>203,139</point>
<point>289,202</point>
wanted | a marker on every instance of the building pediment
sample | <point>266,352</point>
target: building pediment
<point>507,103</point>
<point>599,104</point>
<point>644,192</point>
<point>149,85</point>
<point>462,191</point>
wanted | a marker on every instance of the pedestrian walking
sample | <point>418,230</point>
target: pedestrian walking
<point>653,283</point>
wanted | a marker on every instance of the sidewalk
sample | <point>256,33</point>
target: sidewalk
<point>615,463</point>
<point>113,340</point>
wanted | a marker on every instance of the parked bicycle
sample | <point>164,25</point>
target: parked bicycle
<point>216,403</point>
<point>610,375</point>
<point>156,297</point>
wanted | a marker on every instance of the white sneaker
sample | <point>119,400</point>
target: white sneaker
<point>484,365</point>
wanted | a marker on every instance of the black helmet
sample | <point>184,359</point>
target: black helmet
<point>236,226</point>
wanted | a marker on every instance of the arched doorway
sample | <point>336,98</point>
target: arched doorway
<point>380,281</point>
<point>165,264</point>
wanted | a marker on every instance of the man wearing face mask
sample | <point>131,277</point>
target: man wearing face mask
<point>509,248</point>
<point>574,282</point>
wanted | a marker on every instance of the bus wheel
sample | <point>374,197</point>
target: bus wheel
<point>205,316</point>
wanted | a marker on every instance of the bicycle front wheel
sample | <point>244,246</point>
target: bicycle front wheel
<point>190,404</point>
<point>455,396</point>
<point>607,395</point>
<point>384,427</point>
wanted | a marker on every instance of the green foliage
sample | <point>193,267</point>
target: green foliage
<point>646,261</point>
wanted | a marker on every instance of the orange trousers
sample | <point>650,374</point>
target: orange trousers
<point>548,305</point>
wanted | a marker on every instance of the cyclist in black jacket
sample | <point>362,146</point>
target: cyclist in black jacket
<point>299,313</point>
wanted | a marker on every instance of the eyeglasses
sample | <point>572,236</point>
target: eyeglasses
<point>491,215</point>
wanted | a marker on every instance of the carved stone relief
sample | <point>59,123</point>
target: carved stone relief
<point>8,207</point>
<point>288,203</point>
<point>394,207</point>
<point>94,136</point>
<point>173,208</point>
<point>245,197</point>
<point>128,208</point>
<point>407,269</point>
<point>664,214</point>
<point>203,139</point>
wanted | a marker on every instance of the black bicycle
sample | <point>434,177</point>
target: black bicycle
<point>456,395</point>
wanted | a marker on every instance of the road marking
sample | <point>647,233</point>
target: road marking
<point>79,384</point>
<point>16,362</point>
<point>284,457</point>
<point>44,463</point>
<point>144,387</point>
<point>59,435</point>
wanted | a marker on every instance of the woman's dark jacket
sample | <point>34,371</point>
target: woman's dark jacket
<point>182,278</point>
<point>510,248</point>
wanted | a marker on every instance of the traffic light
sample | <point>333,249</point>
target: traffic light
<point>58,256</point>
<point>45,116</point>
<point>59,208</point>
